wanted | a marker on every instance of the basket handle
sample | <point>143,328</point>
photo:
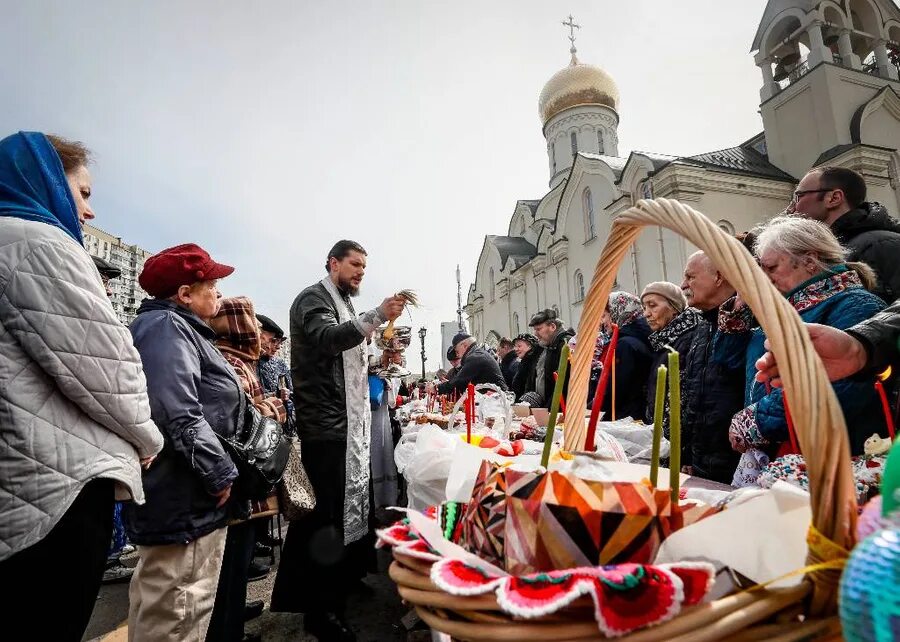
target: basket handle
<point>817,414</point>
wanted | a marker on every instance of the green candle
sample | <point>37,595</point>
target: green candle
<point>674,425</point>
<point>657,424</point>
<point>554,404</point>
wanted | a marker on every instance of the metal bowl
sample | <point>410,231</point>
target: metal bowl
<point>399,342</point>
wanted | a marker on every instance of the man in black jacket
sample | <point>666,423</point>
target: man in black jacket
<point>477,365</point>
<point>509,361</point>
<point>552,335</point>
<point>712,393</point>
<point>836,196</point>
<point>325,553</point>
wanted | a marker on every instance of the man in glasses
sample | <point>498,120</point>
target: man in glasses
<point>836,196</point>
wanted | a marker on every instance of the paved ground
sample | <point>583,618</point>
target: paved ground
<point>375,617</point>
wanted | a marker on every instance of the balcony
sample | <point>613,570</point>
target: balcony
<point>795,74</point>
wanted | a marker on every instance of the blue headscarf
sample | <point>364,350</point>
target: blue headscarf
<point>33,184</point>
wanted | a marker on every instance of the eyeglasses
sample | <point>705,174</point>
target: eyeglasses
<point>800,193</point>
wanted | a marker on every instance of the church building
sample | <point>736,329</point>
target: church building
<point>830,94</point>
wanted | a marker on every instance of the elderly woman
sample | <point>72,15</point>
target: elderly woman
<point>238,335</point>
<point>528,351</point>
<point>194,398</point>
<point>633,356</point>
<point>74,415</point>
<point>806,263</point>
<point>672,325</point>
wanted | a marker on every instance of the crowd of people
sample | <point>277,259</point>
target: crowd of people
<point>116,434</point>
<point>831,254</point>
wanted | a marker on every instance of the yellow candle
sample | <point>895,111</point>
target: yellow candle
<point>657,424</point>
<point>674,425</point>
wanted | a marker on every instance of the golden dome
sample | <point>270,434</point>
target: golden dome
<point>577,84</point>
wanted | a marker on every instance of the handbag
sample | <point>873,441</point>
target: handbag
<point>295,492</point>
<point>260,450</point>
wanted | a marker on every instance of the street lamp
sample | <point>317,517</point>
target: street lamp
<point>422,332</point>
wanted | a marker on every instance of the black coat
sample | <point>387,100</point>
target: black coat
<point>194,394</point>
<point>682,345</point>
<point>317,364</point>
<point>477,366</point>
<point>550,359</point>
<point>526,375</point>
<point>633,357</point>
<point>715,393</point>
<point>881,337</point>
<point>873,237</point>
<point>509,365</point>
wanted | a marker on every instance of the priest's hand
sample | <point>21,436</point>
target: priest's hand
<point>392,307</point>
<point>841,354</point>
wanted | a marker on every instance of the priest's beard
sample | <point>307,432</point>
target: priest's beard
<point>347,287</point>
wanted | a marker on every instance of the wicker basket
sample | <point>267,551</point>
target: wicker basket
<point>761,614</point>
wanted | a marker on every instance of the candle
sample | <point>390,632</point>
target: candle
<point>657,424</point>
<point>674,425</point>
<point>470,414</point>
<point>562,400</point>
<point>600,393</point>
<point>886,407</point>
<point>554,404</point>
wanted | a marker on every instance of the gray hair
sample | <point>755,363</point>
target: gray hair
<point>800,238</point>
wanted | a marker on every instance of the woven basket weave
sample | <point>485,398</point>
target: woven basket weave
<point>821,431</point>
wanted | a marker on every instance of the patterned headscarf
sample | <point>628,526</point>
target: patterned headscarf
<point>237,328</point>
<point>624,308</point>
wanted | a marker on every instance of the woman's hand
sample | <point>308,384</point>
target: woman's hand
<point>223,496</point>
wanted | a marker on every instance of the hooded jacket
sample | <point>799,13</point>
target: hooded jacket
<point>873,237</point>
<point>194,395</point>
<point>73,399</point>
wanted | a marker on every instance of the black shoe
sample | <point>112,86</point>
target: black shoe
<point>257,571</point>
<point>261,550</point>
<point>253,610</point>
<point>328,627</point>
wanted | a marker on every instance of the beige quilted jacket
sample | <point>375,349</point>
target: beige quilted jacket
<point>73,399</point>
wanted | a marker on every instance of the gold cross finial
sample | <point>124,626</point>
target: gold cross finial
<point>570,23</point>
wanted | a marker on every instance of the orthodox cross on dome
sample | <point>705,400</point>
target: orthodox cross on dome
<point>572,27</point>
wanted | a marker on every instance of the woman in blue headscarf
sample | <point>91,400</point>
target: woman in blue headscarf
<point>74,415</point>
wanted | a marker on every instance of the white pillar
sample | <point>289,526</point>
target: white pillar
<point>818,52</point>
<point>770,87</point>
<point>845,47</point>
<point>885,68</point>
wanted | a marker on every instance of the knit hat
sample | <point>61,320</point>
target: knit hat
<point>669,291</point>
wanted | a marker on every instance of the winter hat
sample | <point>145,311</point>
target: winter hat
<point>186,264</point>
<point>669,291</point>
<point>460,337</point>
<point>451,354</point>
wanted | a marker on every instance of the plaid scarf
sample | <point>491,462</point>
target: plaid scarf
<point>237,328</point>
<point>687,320</point>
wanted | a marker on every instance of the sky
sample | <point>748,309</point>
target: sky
<point>267,131</point>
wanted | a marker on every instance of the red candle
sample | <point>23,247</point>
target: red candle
<point>562,399</point>
<point>886,407</point>
<point>600,393</point>
<point>792,434</point>
<point>470,414</point>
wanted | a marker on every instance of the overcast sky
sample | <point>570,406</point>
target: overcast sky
<point>265,131</point>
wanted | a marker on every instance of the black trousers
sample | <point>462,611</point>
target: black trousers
<point>317,570</point>
<point>52,586</point>
<point>227,622</point>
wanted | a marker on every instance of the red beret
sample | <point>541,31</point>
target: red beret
<point>186,264</point>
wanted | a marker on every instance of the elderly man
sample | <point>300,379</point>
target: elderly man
<point>476,365</point>
<point>713,392</point>
<point>325,553</point>
<point>274,374</point>
<point>836,196</point>
<point>552,335</point>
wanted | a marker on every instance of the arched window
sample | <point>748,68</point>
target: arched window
<point>587,202</point>
<point>493,285</point>
<point>599,141</point>
<point>574,139</point>
<point>579,286</point>
<point>516,323</point>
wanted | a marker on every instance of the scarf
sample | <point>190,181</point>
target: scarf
<point>823,286</point>
<point>33,185</point>
<point>689,319</point>
<point>624,308</point>
<point>359,422</point>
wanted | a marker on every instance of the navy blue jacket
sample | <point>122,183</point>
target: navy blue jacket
<point>194,394</point>
<point>633,357</point>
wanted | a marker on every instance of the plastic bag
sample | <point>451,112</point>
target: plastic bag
<point>635,438</point>
<point>427,469</point>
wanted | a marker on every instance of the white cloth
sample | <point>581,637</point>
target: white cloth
<point>73,398</point>
<point>359,420</point>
